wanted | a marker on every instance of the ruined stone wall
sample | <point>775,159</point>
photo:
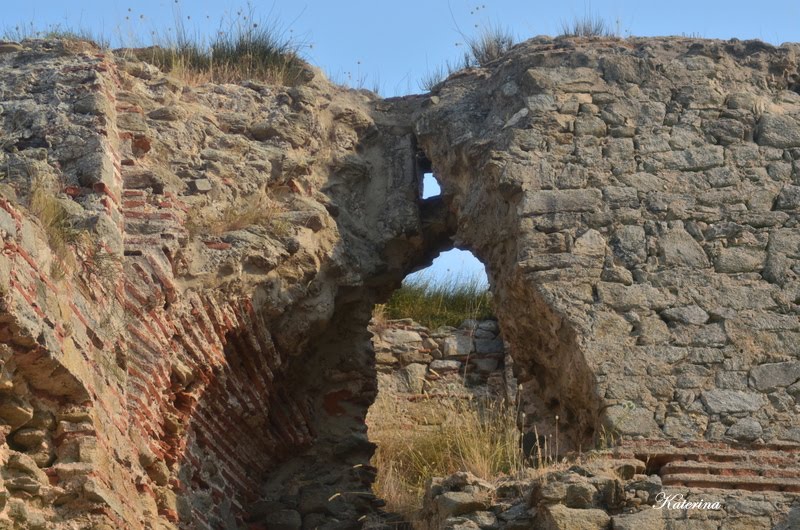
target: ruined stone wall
<point>637,202</point>
<point>187,272</point>
<point>160,313</point>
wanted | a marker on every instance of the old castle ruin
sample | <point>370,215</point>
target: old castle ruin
<point>187,276</point>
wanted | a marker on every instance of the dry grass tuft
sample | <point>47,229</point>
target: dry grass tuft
<point>96,260</point>
<point>479,436</point>
<point>244,48</point>
<point>491,43</point>
<point>21,32</point>
<point>61,235</point>
<point>587,26</point>
<point>259,210</point>
<point>380,319</point>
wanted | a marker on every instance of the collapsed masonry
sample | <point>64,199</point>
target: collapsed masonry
<point>183,329</point>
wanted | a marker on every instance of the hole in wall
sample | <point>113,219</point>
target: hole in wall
<point>430,186</point>
<point>441,372</point>
<point>454,265</point>
<point>428,183</point>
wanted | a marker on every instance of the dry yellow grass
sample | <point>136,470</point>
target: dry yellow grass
<point>479,436</point>
<point>259,209</point>
<point>246,47</point>
<point>56,225</point>
<point>195,67</point>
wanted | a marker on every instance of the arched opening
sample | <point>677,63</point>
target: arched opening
<point>453,265</point>
<point>446,394</point>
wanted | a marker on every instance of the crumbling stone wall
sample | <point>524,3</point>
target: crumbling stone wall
<point>637,202</point>
<point>196,355</point>
<point>157,375</point>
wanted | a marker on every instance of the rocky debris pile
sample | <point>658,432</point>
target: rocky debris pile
<point>603,494</point>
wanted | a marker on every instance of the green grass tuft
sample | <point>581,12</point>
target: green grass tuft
<point>445,302</point>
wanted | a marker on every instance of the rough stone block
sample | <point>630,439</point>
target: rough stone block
<point>737,260</point>
<point>590,243</point>
<point>201,185</point>
<point>746,430</point>
<point>413,377</point>
<point>557,201</point>
<point>780,131</point>
<point>719,400</point>
<point>442,366</point>
<point>646,519</point>
<point>483,346</point>
<point>541,103</point>
<point>629,245</point>
<point>453,503</point>
<point>679,249</point>
<point>630,420</point>
<point>691,314</point>
<point>457,345</point>
<point>788,198</point>
<point>771,376</point>
<point>96,168</point>
<point>627,297</point>
<point>559,517</point>
<point>168,113</point>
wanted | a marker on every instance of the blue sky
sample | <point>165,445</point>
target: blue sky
<point>392,45</point>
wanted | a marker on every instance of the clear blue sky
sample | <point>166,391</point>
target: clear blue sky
<point>394,43</point>
<point>391,45</point>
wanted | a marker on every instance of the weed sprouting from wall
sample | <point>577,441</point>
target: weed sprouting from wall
<point>245,46</point>
<point>55,31</point>
<point>491,43</point>
<point>259,209</point>
<point>56,224</point>
<point>587,25</point>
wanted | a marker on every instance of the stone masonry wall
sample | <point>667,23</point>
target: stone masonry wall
<point>638,201</point>
<point>412,359</point>
<point>188,273</point>
<point>148,378</point>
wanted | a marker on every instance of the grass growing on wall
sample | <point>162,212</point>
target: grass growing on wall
<point>21,32</point>
<point>246,47</point>
<point>587,25</point>
<point>56,224</point>
<point>440,302</point>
